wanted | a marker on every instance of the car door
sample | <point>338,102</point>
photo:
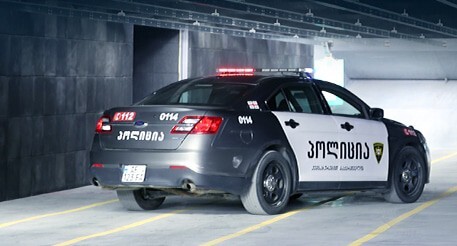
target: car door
<point>308,130</point>
<point>362,151</point>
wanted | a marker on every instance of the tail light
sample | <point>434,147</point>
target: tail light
<point>97,165</point>
<point>103,125</point>
<point>197,125</point>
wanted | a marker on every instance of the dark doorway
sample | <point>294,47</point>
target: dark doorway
<point>155,59</point>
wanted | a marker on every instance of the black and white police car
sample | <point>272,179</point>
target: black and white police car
<point>267,138</point>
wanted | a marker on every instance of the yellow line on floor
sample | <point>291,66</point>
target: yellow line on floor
<point>122,228</point>
<point>406,215</point>
<point>400,218</point>
<point>444,157</point>
<point>265,223</point>
<point>3,225</point>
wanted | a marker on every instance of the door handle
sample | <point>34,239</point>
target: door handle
<point>292,123</point>
<point>347,126</point>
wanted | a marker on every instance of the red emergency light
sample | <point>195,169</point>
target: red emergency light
<point>235,72</point>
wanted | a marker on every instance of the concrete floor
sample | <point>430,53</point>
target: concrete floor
<point>91,216</point>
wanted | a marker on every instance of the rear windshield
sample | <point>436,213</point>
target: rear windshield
<point>213,94</point>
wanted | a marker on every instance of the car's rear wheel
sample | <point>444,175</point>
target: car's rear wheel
<point>141,199</point>
<point>270,186</point>
<point>408,177</point>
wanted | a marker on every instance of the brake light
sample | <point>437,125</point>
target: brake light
<point>98,165</point>
<point>197,125</point>
<point>178,167</point>
<point>103,125</point>
<point>235,72</point>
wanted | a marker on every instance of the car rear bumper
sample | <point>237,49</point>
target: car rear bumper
<point>110,177</point>
<point>209,172</point>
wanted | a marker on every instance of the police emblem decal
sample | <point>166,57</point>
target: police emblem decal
<point>378,151</point>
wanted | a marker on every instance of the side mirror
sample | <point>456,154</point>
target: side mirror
<point>376,113</point>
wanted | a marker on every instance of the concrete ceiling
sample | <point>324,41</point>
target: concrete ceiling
<point>417,20</point>
<point>368,34</point>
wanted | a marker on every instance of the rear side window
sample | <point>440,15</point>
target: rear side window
<point>304,100</point>
<point>278,102</point>
<point>301,99</point>
<point>213,94</point>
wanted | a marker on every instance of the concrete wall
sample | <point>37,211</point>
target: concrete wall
<point>208,51</point>
<point>428,105</point>
<point>56,76</point>
<point>416,83</point>
<point>156,54</point>
<point>400,60</point>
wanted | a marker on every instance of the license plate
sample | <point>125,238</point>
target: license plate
<point>133,173</point>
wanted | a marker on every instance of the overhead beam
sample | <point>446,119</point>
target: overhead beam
<point>374,12</point>
<point>290,16</point>
<point>174,18</point>
<point>448,3</point>
<point>113,17</point>
<point>229,22</point>
<point>299,18</point>
<point>153,11</point>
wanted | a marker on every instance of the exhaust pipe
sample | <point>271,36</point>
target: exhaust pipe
<point>189,186</point>
<point>95,182</point>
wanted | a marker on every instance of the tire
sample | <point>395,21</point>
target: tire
<point>408,177</point>
<point>138,200</point>
<point>270,187</point>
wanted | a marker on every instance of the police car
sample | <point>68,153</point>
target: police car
<point>263,136</point>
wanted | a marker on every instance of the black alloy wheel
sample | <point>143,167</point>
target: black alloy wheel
<point>270,186</point>
<point>408,176</point>
<point>273,184</point>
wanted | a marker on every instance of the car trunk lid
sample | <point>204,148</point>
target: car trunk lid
<point>148,127</point>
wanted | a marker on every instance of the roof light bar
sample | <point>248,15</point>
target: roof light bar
<point>303,72</point>
<point>294,70</point>
<point>235,71</point>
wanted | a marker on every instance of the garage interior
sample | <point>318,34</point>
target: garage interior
<point>63,62</point>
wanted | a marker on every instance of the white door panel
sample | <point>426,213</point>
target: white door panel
<point>306,141</point>
<point>363,150</point>
<point>327,152</point>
